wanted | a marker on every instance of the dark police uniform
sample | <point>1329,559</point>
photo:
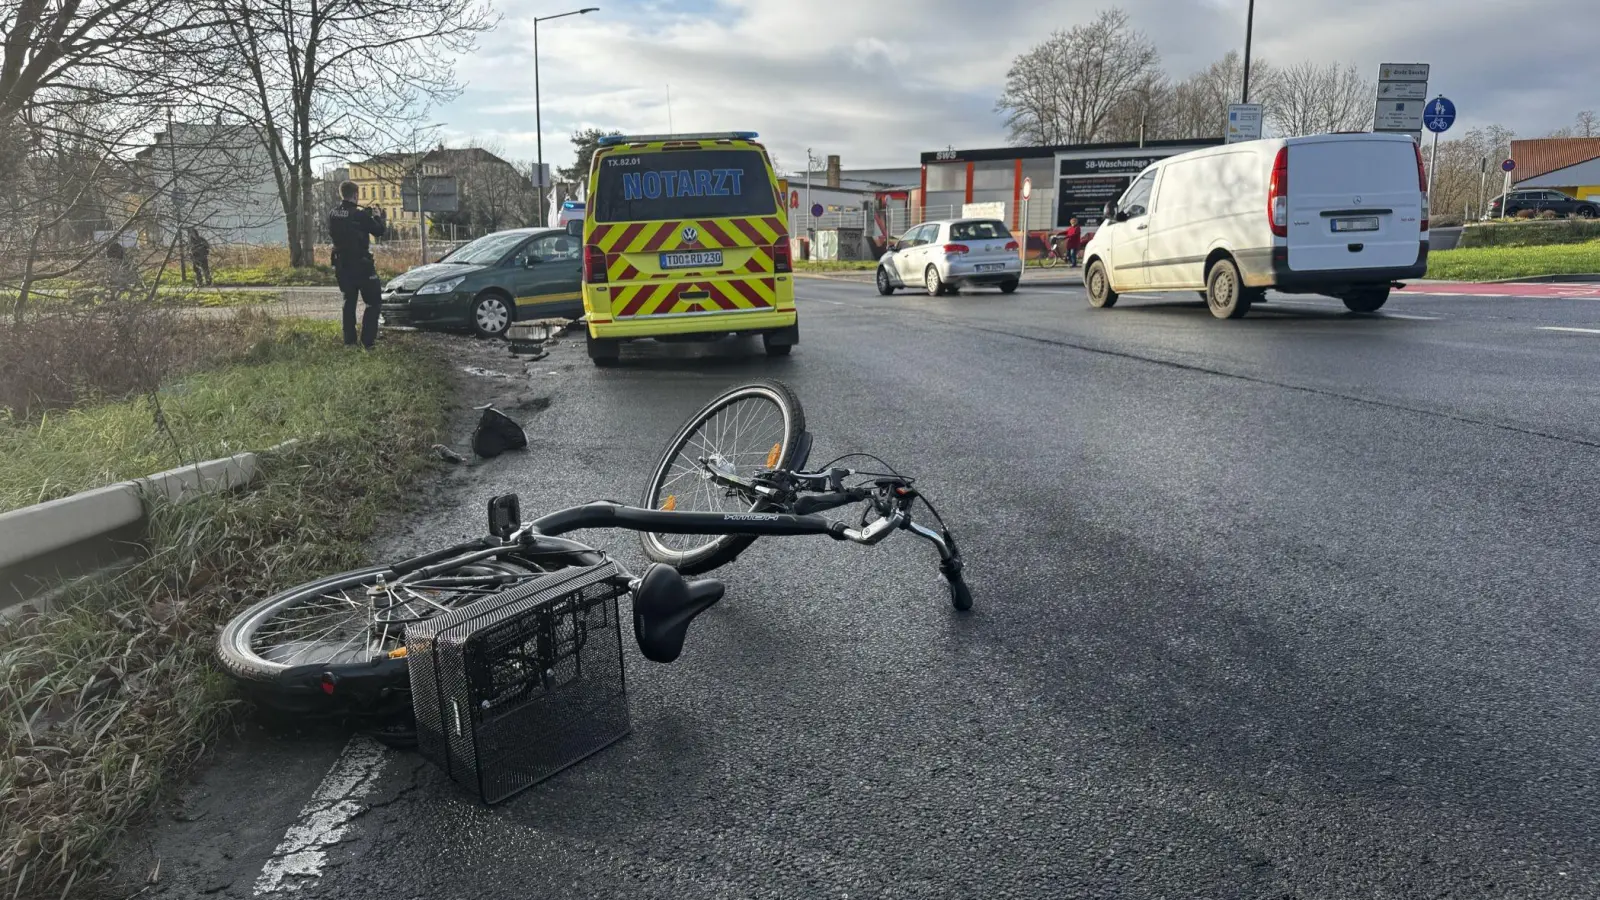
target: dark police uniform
<point>350,226</point>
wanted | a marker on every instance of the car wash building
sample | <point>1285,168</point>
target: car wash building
<point>1071,180</point>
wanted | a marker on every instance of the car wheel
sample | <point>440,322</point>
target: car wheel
<point>934,284</point>
<point>1225,292</point>
<point>1366,300</point>
<point>1009,287</point>
<point>492,314</point>
<point>604,353</point>
<point>1585,212</point>
<point>885,286</point>
<point>1098,283</point>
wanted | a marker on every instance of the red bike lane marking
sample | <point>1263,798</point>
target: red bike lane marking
<point>1531,289</point>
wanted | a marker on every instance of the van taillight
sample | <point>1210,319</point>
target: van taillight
<point>1278,194</point>
<point>781,261</point>
<point>1422,184</point>
<point>594,265</point>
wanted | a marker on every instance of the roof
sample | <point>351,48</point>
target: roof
<point>1576,175</point>
<point>999,153</point>
<point>1536,157</point>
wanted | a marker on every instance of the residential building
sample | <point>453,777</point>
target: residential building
<point>490,188</point>
<point>217,177</point>
<point>1569,165</point>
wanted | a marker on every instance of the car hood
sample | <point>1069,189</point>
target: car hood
<point>421,275</point>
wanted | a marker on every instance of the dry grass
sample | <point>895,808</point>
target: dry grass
<point>113,696</point>
<point>67,354</point>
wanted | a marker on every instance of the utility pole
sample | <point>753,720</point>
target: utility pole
<point>177,216</point>
<point>1249,28</point>
<point>538,113</point>
<point>808,216</point>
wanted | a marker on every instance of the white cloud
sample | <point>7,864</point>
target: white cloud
<point>879,81</point>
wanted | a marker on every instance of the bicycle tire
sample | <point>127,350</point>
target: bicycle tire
<point>724,548</point>
<point>240,654</point>
<point>1050,261</point>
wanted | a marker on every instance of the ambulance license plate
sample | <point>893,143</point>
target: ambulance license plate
<point>699,259</point>
<point>1361,223</point>
<point>991,267</point>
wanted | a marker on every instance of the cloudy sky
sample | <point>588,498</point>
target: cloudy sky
<point>880,81</point>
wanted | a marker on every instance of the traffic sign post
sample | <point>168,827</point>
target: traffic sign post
<point>1440,115</point>
<point>1027,192</point>
<point>1400,105</point>
<point>1244,122</point>
<point>1507,167</point>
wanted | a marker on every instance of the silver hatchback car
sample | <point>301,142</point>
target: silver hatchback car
<point>944,257</point>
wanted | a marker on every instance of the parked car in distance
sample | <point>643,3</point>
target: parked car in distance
<point>485,285</point>
<point>944,257</point>
<point>1344,215</point>
<point>1540,200</point>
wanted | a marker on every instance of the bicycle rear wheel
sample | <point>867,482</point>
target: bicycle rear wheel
<point>748,429</point>
<point>346,626</point>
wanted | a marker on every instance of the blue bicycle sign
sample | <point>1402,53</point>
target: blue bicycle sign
<point>1439,115</point>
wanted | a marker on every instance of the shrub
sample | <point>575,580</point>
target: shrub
<point>1549,214</point>
<point>1515,233</point>
<point>65,355</point>
<point>1525,214</point>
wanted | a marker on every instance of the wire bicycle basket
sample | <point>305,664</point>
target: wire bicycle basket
<point>516,687</point>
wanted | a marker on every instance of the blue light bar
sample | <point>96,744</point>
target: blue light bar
<point>613,140</point>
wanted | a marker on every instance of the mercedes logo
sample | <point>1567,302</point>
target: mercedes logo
<point>1358,199</point>
<point>690,234</point>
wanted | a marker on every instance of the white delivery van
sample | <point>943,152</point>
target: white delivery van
<point>1344,215</point>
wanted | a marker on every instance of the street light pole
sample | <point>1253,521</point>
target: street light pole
<point>1249,28</point>
<point>538,113</point>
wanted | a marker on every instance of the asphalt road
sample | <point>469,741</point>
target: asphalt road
<point>1296,606</point>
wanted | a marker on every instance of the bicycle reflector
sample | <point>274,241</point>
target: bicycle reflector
<point>520,685</point>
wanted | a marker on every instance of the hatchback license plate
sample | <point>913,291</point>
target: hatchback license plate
<point>697,260</point>
<point>991,267</point>
<point>1363,223</point>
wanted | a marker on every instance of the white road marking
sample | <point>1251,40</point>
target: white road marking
<point>325,820</point>
<point>1569,330</point>
<point>1390,315</point>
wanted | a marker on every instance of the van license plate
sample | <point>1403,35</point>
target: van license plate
<point>697,260</point>
<point>1362,223</point>
<point>991,267</point>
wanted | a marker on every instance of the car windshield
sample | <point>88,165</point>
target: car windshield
<point>979,231</point>
<point>486,250</point>
<point>683,184</point>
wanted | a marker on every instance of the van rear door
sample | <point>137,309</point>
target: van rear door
<point>691,228</point>
<point>1354,203</point>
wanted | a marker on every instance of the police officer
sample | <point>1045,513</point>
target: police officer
<point>350,227</point>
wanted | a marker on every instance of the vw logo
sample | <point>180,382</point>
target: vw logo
<point>690,234</point>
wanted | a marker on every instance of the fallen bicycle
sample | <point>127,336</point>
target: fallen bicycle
<point>507,650</point>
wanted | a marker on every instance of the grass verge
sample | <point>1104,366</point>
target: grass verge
<point>835,265</point>
<point>1496,263</point>
<point>108,698</point>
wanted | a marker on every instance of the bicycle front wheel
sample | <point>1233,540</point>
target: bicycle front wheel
<point>1049,261</point>
<point>749,429</point>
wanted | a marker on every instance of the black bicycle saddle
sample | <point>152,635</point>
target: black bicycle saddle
<point>664,605</point>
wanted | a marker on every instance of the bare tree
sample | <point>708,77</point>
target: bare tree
<point>1308,98</point>
<point>1588,123</point>
<point>1064,90</point>
<point>322,76</point>
<point>1140,111</point>
<point>1467,171</point>
<point>81,84</point>
<point>1199,107</point>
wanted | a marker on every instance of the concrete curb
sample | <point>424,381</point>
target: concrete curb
<point>94,530</point>
<point>1588,278</point>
